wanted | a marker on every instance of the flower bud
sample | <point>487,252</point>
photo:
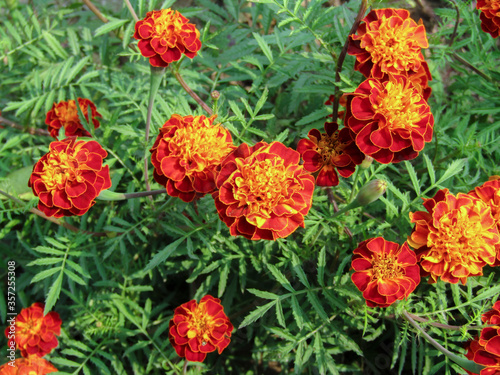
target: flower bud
<point>215,95</point>
<point>371,192</point>
<point>365,164</point>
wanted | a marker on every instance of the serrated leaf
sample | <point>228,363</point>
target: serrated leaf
<point>44,274</point>
<point>278,275</point>
<point>313,116</point>
<point>413,177</point>
<point>45,261</point>
<point>53,294</point>
<point>455,167</point>
<point>313,298</point>
<point>162,255</point>
<point>113,24</point>
<point>264,47</point>
<point>430,169</point>
<point>256,314</point>
<point>73,276</point>
<point>263,294</point>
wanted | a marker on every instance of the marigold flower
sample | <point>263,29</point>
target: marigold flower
<point>490,16</point>
<point>485,349</point>
<point>389,41</point>
<point>164,35</point>
<point>384,271</point>
<point>389,119</point>
<point>489,193</point>
<point>455,238</point>
<point>328,152</point>
<point>263,191</point>
<point>187,155</point>
<point>33,365</point>
<point>36,333</point>
<point>65,115</point>
<point>198,329</point>
<point>69,177</point>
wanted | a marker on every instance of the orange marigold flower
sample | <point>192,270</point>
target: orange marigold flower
<point>490,16</point>
<point>164,35</point>
<point>187,155</point>
<point>263,191</point>
<point>489,193</point>
<point>485,349</point>
<point>36,333</point>
<point>198,329</point>
<point>65,115</point>
<point>455,238</point>
<point>69,177</point>
<point>328,152</point>
<point>389,41</point>
<point>389,119</point>
<point>384,271</point>
<point>33,365</point>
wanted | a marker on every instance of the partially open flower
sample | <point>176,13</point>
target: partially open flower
<point>35,333</point>
<point>164,35</point>
<point>389,119</point>
<point>485,349</point>
<point>263,191</point>
<point>384,271</point>
<point>69,177</point>
<point>33,365</point>
<point>489,193</point>
<point>455,238</point>
<point>187,155</point>
<point>490,16</point>
<point>330,152</point>
<point>389,41</point>
<point>65,115</point>
<point>198,329</point>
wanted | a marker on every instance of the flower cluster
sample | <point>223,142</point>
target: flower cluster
<point>187,155</point>
<point>200,328</point>
<point>485,349</point>
<point>388,115</point>
<point>164,35</point>
<point>490,16</point>
<point>33,365</point>
<point>36,333</point>
<point>69,177</point>
<point>65,115</point>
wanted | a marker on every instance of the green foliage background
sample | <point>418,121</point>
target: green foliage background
<point>292,301</point>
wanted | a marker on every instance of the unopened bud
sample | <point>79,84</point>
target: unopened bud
<point>371,192</point>
<point>365,164</point>
<point>215,95</point>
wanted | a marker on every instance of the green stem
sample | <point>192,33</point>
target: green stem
<point>461,361</point>
<point>356,178</point>
<point>354,204</point>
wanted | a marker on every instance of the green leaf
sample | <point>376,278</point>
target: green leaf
<point>263,294</point>
<point>53,295</point>
<point>256,314</point>
<point>430,169</point>
<point>313,116</point>
<point>162,255</point>
<point>44,274</point>
<point>278,275</point>
<point>455,167</point>
<point>413,177</point>
<point>113,24</point>
<point>264,47</point>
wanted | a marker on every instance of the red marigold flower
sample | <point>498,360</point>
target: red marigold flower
<point>198,329</point>
<point>164,35</point>
<point>325,152</point>
<point>263,191</point>
<point>69,177</point>
<point>389,41</point>
<point>33,365</point>
<point>384,271</point>
<point>389,119</point>
<point>187,155</point>
<point>489,193</point>
<point>65,115</point>
<point>485,349</point>
<point>490,16</point>
<point>36,333</point>
<point>455,238</point>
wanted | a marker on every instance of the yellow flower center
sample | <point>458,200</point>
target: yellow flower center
<point>168,24</point>
<point>200,145</point>
<point>30,327</point>
<point>398,104</point>
<point>385,266</point>
<point>68,112</point>
<point>263,185</point>
<point>200,324</point>
<point>393,46</point>
<point>58,168</point>
<point>330,146</point>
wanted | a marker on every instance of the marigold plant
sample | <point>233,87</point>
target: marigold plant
<point>65,115</point>
<point>200,328</point>
<point>164,35</point>
<point>187,155</point>
<point>69,177</point>
<point>328,153</point>
<point>33,365</point>
<point>455,238</point>
<point>35,334</point>
<point>490,16</point>
<point>384,271</point>
<point>263,191</point>
<point>389,119</point>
